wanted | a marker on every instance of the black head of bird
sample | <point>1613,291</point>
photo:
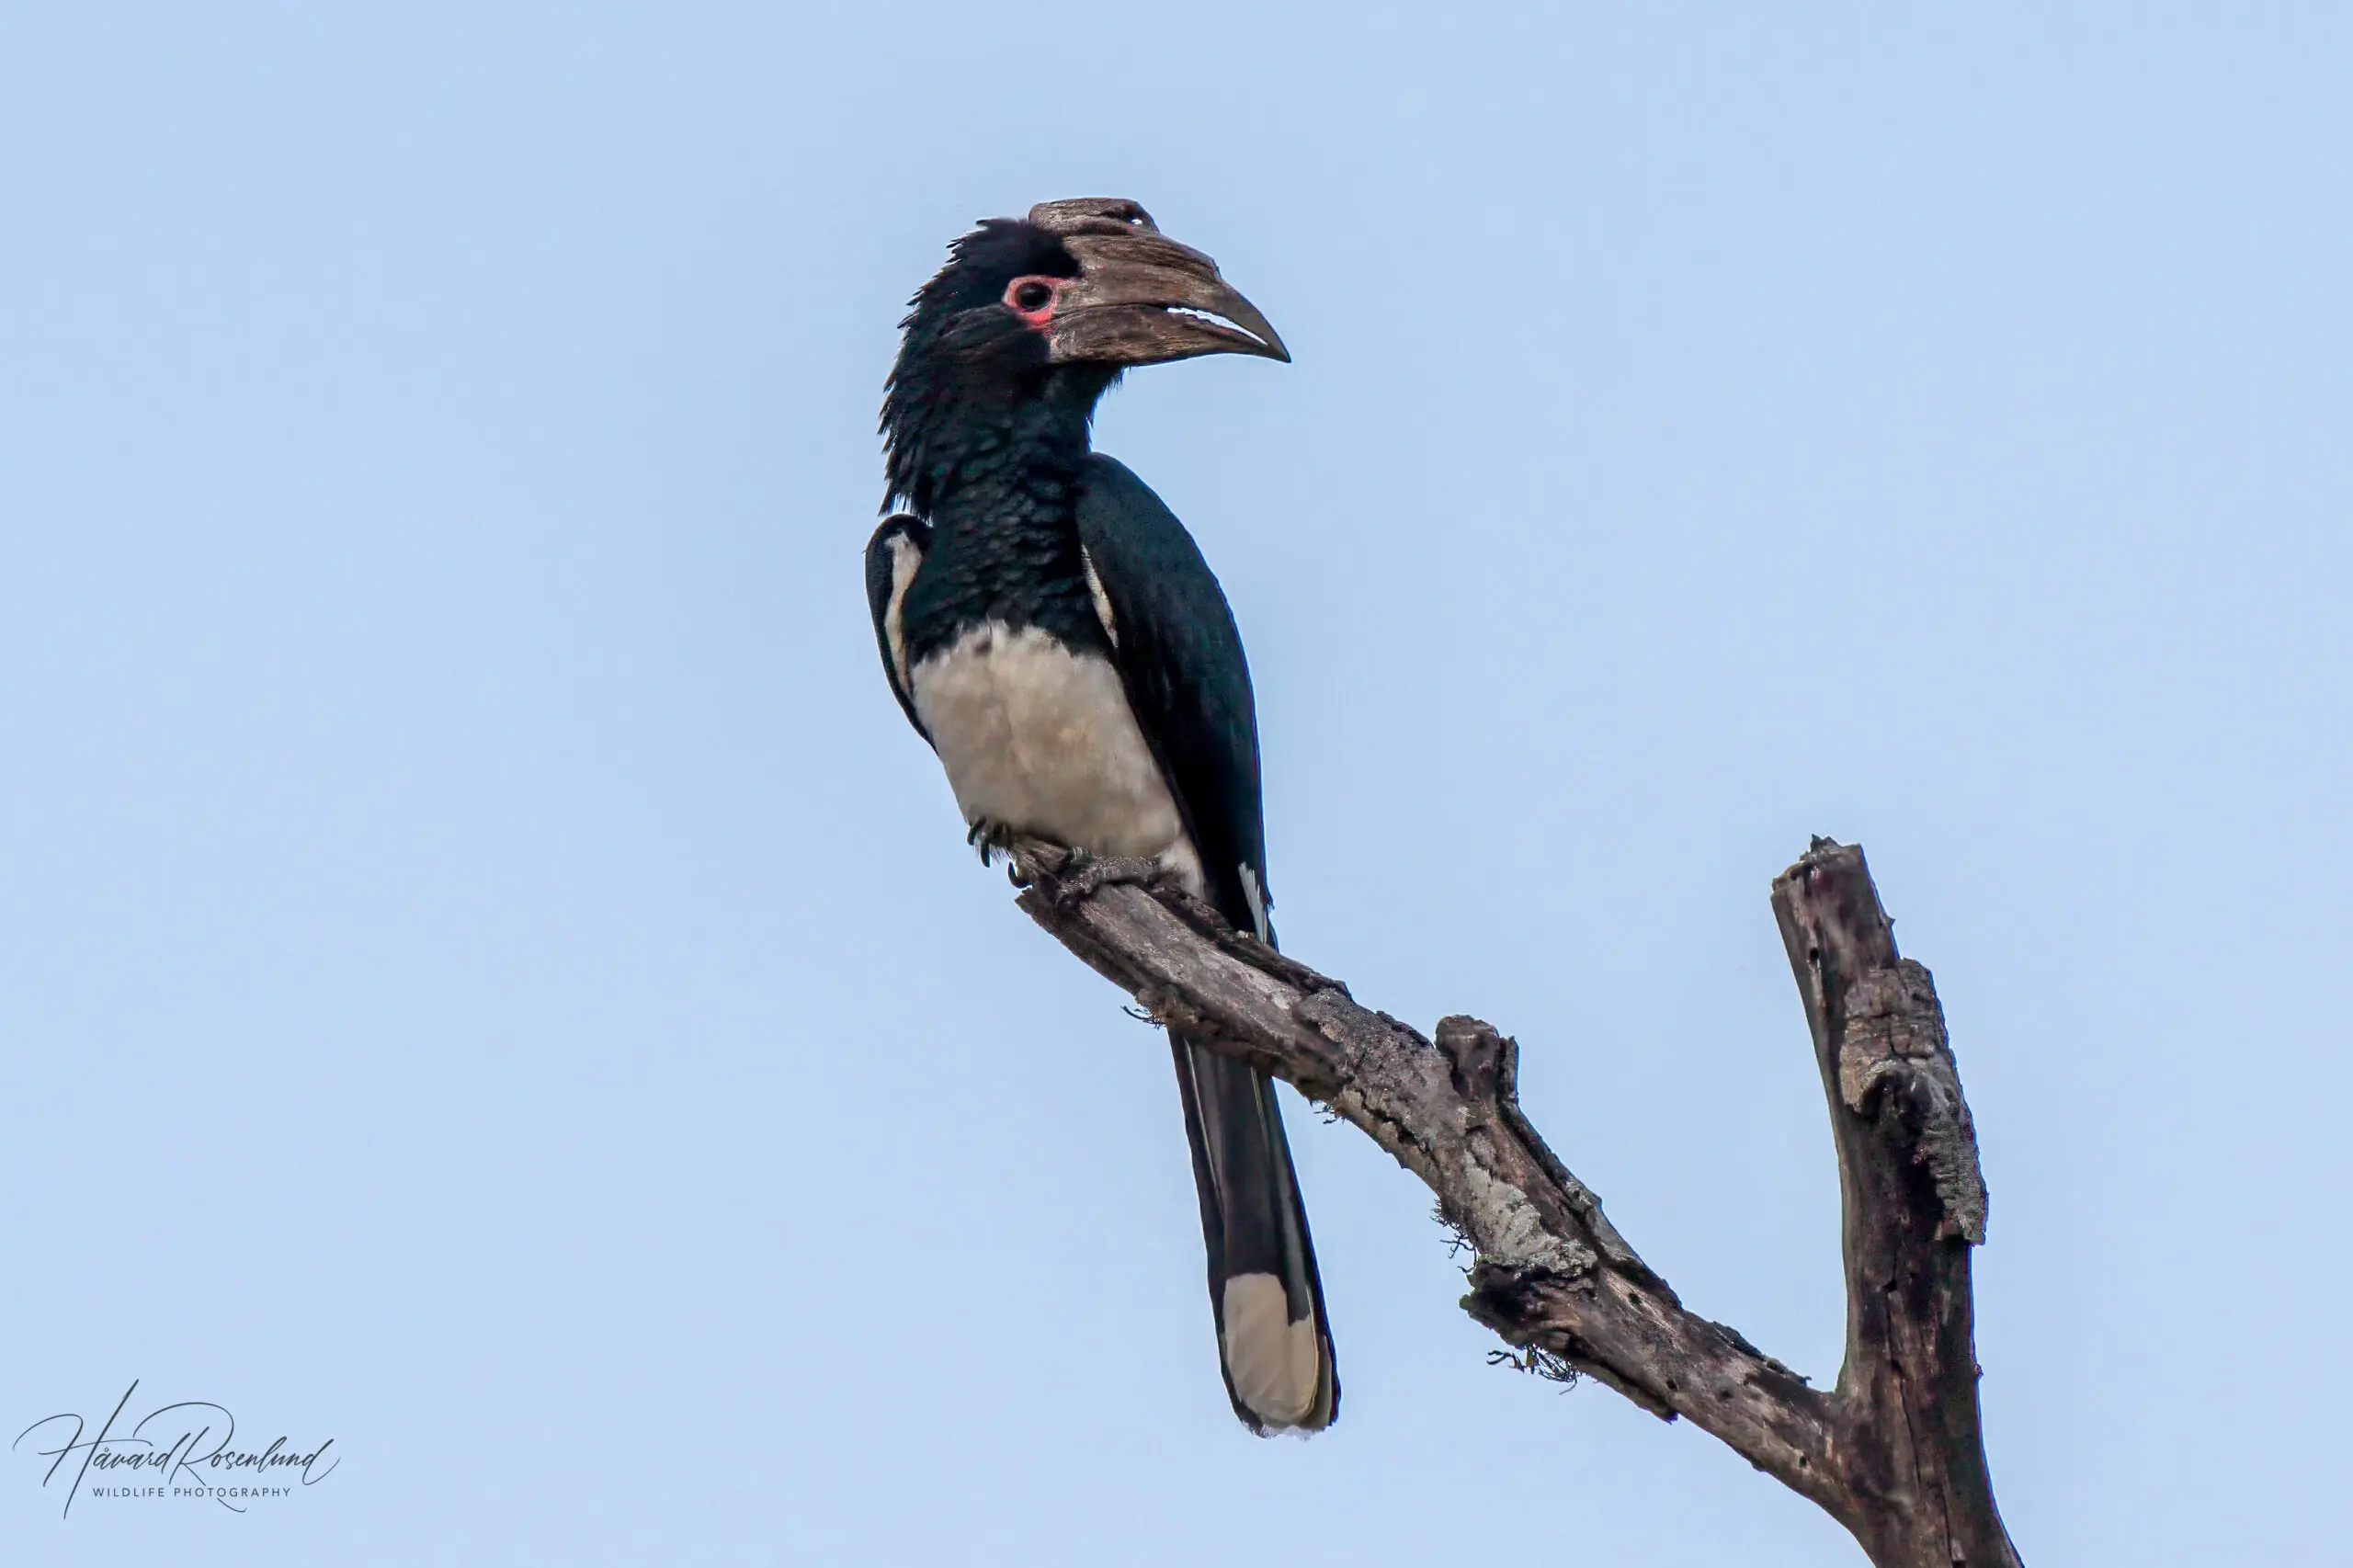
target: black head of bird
<point>1031,319</point>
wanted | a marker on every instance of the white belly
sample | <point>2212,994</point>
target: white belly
<point>1039,740</point>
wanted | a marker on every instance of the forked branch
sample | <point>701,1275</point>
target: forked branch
<point>1894,1452</point>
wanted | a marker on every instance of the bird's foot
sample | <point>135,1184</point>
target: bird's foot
<point>1085,875</point>
<point>988,836</point>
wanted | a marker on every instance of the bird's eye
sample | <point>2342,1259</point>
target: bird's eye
<point>1032,295</point>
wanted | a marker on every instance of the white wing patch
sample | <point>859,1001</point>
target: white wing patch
<point>904,561</point>
<point>1256,898</point>
<point>1102,599</point>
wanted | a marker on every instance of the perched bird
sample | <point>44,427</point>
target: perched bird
<point>1052,630</point>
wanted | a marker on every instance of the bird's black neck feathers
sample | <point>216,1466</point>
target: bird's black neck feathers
<point>988,440</point>
<point>972,388</point>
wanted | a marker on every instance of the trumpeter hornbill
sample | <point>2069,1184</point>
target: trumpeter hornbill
<point>1053,630</point>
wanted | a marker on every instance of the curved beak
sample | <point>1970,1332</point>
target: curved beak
<point>1141,299</point>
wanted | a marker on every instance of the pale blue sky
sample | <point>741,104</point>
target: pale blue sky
<point>488,975</point>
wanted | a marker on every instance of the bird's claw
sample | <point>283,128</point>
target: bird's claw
<point>1084,875</point>
<point>989,837</point>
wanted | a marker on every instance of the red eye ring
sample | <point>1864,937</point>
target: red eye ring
<point>1032,299</point>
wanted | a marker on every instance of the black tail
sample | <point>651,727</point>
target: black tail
<point>1274,1341</point>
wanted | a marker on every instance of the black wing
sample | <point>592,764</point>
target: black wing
<point>1181,664</point>
<point>1181,661</point>
<point>892,557</point>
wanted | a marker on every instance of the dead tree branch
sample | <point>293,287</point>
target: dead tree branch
<point>1894,1450</point>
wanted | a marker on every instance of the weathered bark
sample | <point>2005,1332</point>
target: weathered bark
<point>1913,1203</point>
<point>1894,1452</point>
